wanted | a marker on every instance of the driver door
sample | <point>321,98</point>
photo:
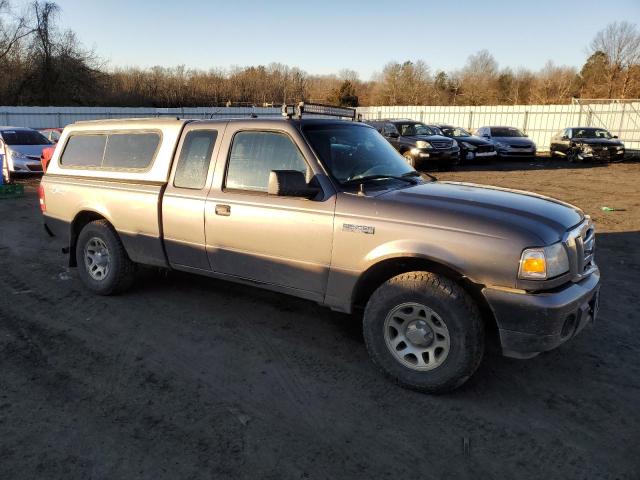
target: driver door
<point>282,241</point>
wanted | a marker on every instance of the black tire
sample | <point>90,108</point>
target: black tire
<point>121,270</point>
<point>456,310</point>
<point>410,158</point>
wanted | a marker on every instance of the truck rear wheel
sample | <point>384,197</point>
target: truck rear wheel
<point>424,332</point>
<point>103,263</point>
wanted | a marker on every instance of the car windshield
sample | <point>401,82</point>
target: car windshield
<point>591,133</point>
<point>506,132</point>
<point>454,132</point>
<point>354,151</point>
<point>413,128</point>
<point>24,137</point>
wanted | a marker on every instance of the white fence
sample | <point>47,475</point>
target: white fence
<point>540,122</point>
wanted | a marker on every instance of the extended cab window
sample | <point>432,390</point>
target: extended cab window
<point>255,154</point>
<point>194,160</point>
<point>84,151</point>
<point>130,150</point>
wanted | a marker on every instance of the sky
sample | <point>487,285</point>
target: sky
<point>326,36</point>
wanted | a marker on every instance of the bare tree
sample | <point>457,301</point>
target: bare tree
<point>13,28</point>
<point>620,42</point>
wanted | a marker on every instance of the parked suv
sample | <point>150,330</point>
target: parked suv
<point>587,143</point>
<point>509,141</point>
<point>471,146</point>
<point>419,144</point>
<point>327,210</point>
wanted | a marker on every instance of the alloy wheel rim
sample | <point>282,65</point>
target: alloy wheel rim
<point>417,336</point>
<point>97,258</point>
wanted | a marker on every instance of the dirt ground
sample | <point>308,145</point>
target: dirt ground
<point>188,377</point>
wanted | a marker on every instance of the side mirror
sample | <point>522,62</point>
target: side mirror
<point>290,183</point>
<point>564,137</point>
<point>392,134</point>
<point>615,136</point>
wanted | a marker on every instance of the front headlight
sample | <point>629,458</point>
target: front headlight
<point>502,145</point>
<point>468,146</point>
<point>423,144</point>
<point>587,149</point>
<point>454,143</point>
<point>543,263</point>
<point>15,154</point>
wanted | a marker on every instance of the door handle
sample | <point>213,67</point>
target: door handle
<point>223,210</point>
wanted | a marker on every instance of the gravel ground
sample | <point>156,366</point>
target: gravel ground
<point>188,377</point>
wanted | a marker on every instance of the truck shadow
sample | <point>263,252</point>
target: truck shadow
<point>305,322</point>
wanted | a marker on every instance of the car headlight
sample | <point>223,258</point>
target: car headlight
<point>620,147</point>
<point>468,146</point>
<point>423,144</point>
<point>15,154</point>
<point>502,145</point>
<point>587,149</point>
<point>543,263</point>
<point>454,143</point>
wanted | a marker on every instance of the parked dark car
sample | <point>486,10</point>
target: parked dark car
<point>471,147</point>
<point>587,143</point>
<point>420,145</point>
<point>508,141</point>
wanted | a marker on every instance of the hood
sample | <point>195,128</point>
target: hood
<point>492,211</point>
<point>429,138</point>
<point>32,150</point>
<point>607,142</point>
<point>473,140</point>
<point>516,141</point>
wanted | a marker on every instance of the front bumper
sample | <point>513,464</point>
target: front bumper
<point>25,165</point>
<point>607,155</point>
<point>432,155</point>
<point>516,152</point>
<point>530,323</point>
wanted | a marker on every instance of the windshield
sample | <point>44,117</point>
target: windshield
<point>413,128</point>
<point>24,137</point>
<point>506,132</point>
<point>591,133</point>
<point>454,132</point>
<point>354,151</point>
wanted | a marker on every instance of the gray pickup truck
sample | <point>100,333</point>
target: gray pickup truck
<point>327,210</point>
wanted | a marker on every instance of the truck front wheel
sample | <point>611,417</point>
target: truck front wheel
<point>103,263</point>
<point>424,332</point>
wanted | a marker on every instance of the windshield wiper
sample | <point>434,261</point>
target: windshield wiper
<point>361,180</point>
<point>415,173</point>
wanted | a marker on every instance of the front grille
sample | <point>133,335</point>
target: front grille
<point>35,168</point>
<point>581,244</point>
<point>484,148</point>
<point>521,147</point>
<point>441,145</point>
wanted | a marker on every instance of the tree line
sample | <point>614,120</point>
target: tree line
<point>46,65</point>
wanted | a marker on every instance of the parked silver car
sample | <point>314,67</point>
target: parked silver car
<point>508,141</point>
<point>20,149</point>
